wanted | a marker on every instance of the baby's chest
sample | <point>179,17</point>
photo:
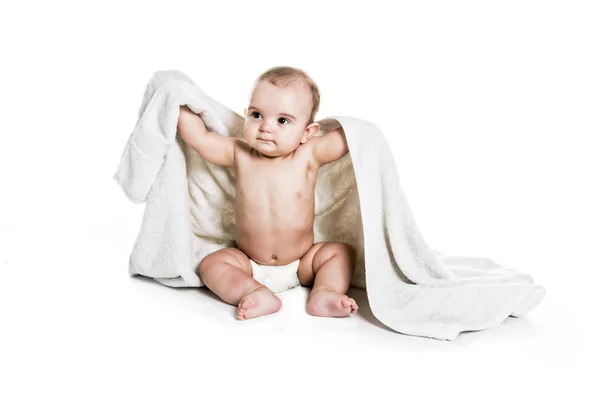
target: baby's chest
<point>277,183</point>
<point>273,185</point>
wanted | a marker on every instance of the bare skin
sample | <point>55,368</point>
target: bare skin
<point>276,167</point>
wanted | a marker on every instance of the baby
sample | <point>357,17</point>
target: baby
<point>276,168</point>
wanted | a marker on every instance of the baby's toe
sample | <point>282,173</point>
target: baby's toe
<point>353,305</point>
<point>243,308</point>
<point>346,303</point>
<point>246,303</point>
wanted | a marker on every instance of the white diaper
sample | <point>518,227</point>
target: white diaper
<point>276,277</point>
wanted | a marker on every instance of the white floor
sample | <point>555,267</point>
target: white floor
<point>74,320</point>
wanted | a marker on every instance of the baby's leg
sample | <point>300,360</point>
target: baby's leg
<point>329,267</point>
<point>228,274</point>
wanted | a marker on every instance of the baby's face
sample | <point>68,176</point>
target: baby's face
<point>277,118</point>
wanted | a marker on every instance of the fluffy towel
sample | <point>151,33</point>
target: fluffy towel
<point>190,213</point>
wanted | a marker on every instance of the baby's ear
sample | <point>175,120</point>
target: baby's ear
<point>245,110</point>
<point>310,132</point>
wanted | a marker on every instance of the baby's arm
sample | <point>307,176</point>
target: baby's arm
<point>211,146</point>
<point>330,147</point>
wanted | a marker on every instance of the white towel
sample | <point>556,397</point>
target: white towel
<point>189,214</point>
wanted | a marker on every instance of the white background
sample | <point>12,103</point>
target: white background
<point>492,113</point>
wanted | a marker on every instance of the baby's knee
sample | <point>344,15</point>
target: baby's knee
<point>343,250</point>
<point>212,264</point>
<point>219,262</point>
<point>346,250</point>
<point>205,265</point>
<point>351,252</point>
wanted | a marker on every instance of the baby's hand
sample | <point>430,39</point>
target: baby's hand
<point>211,146</point>
<point>183,111</point>
<point>190,124</point>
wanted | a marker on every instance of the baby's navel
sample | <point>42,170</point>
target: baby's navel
<point>273,257</point>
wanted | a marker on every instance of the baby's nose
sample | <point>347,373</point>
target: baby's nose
<point>265,127</point>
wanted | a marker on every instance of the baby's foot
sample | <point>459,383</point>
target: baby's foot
<point>258,302</point>
<point>327,303</point>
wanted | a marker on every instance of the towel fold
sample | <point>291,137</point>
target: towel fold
<point>189,214</point>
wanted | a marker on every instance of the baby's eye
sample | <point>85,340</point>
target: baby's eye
<point>284,119</point>
<point>254,113</point>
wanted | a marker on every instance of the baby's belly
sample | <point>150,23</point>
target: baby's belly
<point>273,245</point>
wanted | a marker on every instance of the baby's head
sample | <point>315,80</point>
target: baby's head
<point>281,113</point>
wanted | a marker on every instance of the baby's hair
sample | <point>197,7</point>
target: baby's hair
<point>282,76</point>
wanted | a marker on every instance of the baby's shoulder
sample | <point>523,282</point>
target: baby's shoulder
<point>242,145</point>
<point>242,150</point>
<point>306,154</point>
